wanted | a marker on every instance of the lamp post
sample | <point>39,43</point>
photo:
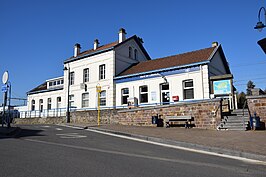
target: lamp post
<point>68,88</point>
<point>260,25</point>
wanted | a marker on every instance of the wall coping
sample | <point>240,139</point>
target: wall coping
<point>256,97</point>
<point>171,105</point>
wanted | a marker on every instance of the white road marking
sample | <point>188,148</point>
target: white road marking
<point>46,126</point>
<point>71,135</point>
<point>175,146</point>
<point>180,161</point>
<point>59,129</point>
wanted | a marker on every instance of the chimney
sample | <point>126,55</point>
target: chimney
<point>214,44</point>
<point>122,35</point>
<point>76,49</point>
<point>96,44</point>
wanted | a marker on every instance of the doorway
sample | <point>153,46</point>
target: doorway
<point>165,93</point>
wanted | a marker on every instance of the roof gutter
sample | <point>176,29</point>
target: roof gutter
<point>164,69</point>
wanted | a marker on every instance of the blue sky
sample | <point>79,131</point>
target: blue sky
<point>36,36</point>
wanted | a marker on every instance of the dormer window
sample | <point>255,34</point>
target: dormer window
<point>130,52</point>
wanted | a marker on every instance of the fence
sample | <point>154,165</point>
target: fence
<point>60,112</point>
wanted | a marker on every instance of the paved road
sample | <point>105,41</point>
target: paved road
<point>55,151</point>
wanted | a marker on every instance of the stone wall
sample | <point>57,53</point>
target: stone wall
<point>257,104</point>
<point>206,114</point>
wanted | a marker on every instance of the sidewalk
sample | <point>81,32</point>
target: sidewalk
<point>248,144</point>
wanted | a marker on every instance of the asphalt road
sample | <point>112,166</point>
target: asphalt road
<point>55,151</point>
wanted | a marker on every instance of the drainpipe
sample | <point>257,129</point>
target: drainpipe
<point>201,71</point>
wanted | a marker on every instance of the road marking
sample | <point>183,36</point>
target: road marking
<point>71,135</point>
<point>59,129</point>
<point>180,161</point>
<point>46,126</point>
<point>183,148</point>
<point>174,146</point>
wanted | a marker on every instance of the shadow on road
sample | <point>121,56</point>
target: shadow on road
<point>21,133</point>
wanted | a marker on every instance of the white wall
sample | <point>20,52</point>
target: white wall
<point>93,64</point>
<point>175,86</point>
<point>45,95</point>
<point>122,58</point>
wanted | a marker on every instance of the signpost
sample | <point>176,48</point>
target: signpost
<point>4,90</point>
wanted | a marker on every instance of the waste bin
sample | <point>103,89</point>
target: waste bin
<point>154,119</point>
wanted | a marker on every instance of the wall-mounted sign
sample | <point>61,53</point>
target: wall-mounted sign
<point>175,98</point>
<point>222,87</point>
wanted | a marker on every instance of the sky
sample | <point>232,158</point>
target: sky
<point>36,36</point>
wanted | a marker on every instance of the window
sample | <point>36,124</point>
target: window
<point>41,105</point>
<point>130,52</point>
<point>135,54</point>
<point>125,95</point>
<point>49,103</point>
<point>85,100</point>
<point>58,99</point>
<point>103,98</point>
<point>71,101</point>
<point>86,75</point>
<point>33,105</point>
<point>188,89</point>
<point>143,94</point>
<point>102,72</point>
<point>71,79</point>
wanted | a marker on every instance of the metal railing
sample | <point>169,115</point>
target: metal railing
<point>62,111</point>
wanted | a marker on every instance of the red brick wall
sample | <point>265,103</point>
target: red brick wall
<point>258,104</point>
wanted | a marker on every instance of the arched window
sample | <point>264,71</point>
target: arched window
<point>41,105</point>
<point>33,105</point>
<point>135,54</point>
<point>130,52</point>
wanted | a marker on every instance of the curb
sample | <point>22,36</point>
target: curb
<point>210,149</point>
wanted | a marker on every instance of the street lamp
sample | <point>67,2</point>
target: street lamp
<point>68,88</point>
<point>260,25</point>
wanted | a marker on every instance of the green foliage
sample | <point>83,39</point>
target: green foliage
<point>241,100</point>
<point>250,85</point>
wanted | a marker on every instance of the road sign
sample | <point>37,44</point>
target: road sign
<point>5,77</point>
<point>4,88</point>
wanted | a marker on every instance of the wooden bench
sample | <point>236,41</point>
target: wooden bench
<point>172,119</point>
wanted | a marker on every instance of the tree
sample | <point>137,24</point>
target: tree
<point>241,97</point>
<point>250,85</point>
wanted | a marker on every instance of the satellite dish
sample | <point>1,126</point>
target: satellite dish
<point>5,77</point>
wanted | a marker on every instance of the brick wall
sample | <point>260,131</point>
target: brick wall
<point>258,104</point>
<point>207,114</point>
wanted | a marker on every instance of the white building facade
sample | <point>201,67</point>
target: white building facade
<point>124,71</point>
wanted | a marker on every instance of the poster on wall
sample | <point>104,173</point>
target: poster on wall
<point>222,87</point>
<point>153,96</point>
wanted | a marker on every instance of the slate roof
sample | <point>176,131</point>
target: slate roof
<point>170,61</point>
<point>43,88</point>
<point>107,47</point>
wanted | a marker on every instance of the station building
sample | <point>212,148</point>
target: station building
<point>127,76</point>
